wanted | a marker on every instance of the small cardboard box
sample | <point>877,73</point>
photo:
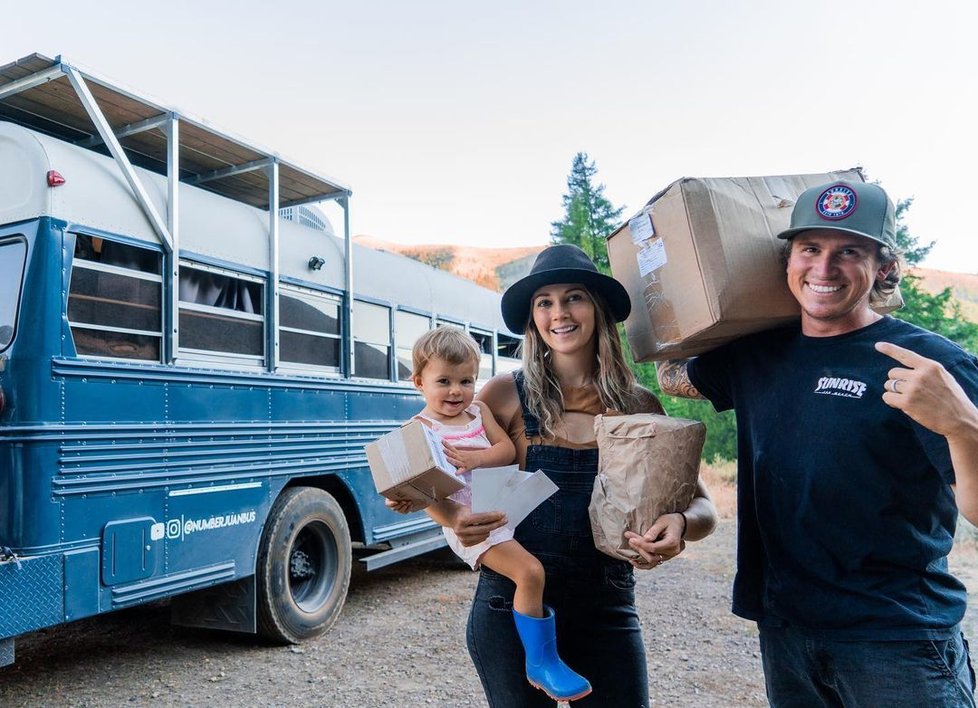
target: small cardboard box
<point>702,262</point>
<point>409,464</point>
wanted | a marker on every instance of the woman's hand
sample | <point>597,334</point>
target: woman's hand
<point>475,528</point>
<point>662,541</point>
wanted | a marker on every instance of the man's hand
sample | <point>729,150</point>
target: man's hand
<point>924,390</point>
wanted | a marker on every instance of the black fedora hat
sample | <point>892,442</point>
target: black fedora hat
<point>561,264</point>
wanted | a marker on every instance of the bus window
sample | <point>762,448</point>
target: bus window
<point>221,312</point>
<point>310,328</point>
<point>408,328</point>
<point>13,256</point>
<point>484,340</point>
<point>371,340</point>
<point>114,300</point>
<point>507,353</point>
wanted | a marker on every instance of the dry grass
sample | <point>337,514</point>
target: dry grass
<point>720,477</point>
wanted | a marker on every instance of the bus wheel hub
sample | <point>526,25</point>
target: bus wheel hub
<point>300,567</point>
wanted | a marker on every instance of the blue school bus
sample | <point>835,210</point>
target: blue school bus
<point>191,362</point>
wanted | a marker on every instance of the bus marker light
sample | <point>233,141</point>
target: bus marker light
<point>55,178</point>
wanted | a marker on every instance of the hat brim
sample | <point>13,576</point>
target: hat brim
<point>516,299</point>
<point>791,233</point>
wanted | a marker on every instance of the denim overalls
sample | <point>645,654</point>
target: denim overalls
<point>593,595</point>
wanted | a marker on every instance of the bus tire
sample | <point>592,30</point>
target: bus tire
<point>303,568</point>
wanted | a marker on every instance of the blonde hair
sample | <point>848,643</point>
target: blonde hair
<point>610,374</point>
<point>452,344</point>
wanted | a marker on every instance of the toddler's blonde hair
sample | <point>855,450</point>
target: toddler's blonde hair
<point>452,344</point>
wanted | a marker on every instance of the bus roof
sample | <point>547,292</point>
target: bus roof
<point>35,91</point>
<point>221,230</point>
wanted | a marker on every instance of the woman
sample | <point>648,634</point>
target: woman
<point>573,369</point>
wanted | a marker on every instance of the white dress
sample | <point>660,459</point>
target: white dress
<point>471,436</point>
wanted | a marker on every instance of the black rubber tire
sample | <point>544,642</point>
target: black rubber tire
<point>303,568</point>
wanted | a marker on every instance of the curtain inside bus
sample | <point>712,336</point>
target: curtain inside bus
<point>13,258</point>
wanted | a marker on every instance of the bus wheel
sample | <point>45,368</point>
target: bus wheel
<point>304,561</point>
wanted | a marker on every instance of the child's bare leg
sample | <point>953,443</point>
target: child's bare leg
<point>513,561</point>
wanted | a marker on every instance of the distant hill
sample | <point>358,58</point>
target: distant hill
<point>497,268</point>
<point>493,268</point>
<point>964,287</point>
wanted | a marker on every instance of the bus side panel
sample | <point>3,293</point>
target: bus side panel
<point>34,523</point>
<point>112,394</point>
<point>175,500</point>
<point>317,440</point>
<point>219,525</point>
<point>392,407</point>
<point>28,451</point>
<point>208,400</point>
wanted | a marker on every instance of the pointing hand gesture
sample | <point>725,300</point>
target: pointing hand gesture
<point>924,390</point>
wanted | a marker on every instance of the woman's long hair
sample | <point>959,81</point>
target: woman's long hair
<point>609,374</point>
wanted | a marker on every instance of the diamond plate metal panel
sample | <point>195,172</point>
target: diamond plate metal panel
<point>6,652</point>
<point>32,594</point>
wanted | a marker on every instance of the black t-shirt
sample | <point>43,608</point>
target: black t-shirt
<point>845,511</point>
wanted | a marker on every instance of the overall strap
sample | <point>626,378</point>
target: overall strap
<point>529,420</point>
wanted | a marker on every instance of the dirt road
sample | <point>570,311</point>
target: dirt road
<point>399,642</point>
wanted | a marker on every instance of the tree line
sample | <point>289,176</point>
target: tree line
<point>590,218</point>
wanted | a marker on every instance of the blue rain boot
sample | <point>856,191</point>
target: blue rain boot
<point>544,669</point>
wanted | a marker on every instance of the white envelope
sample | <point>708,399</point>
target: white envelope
<point>509,490</point>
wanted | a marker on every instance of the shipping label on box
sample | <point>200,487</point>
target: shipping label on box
<point>703,265</point>
<point>409,464</point>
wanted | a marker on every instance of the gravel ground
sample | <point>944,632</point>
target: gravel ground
<point>399,642</point>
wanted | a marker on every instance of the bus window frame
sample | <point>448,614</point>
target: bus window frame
<point>442,321</point>
<point>287,366</point>
<point>5,240</point>
<point>511,363</point>
<point>98,267</point>
<point>231,359</point>
<point>391,371</point>
<point>491,354</point>
<point>414,312</point>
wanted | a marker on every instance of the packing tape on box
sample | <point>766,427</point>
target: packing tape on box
<point>438,450</point>
<point>394,453</point>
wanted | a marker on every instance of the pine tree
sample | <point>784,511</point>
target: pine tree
<point>589,218</point>
<point>939,313</point>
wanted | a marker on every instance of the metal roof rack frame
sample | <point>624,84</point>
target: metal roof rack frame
<point>58,98</point>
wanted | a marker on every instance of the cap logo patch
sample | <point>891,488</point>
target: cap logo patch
<point>836,202</point>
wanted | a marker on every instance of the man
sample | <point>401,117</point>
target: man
<point>857,448</point>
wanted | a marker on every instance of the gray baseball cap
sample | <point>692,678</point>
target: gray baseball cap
<point>853,207</point>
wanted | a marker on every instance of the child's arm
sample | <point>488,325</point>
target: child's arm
<point>502,451</point>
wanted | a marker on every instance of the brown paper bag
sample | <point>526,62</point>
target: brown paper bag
<point>647,466</point>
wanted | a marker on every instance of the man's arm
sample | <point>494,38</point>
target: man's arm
<point>674,379</point>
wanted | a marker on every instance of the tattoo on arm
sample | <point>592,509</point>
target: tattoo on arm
<point>674,379</point>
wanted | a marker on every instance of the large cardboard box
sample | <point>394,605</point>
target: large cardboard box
<point>702,262</point>
<point>409,464</point>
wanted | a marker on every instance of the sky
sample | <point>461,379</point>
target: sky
<point>456,122</point>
